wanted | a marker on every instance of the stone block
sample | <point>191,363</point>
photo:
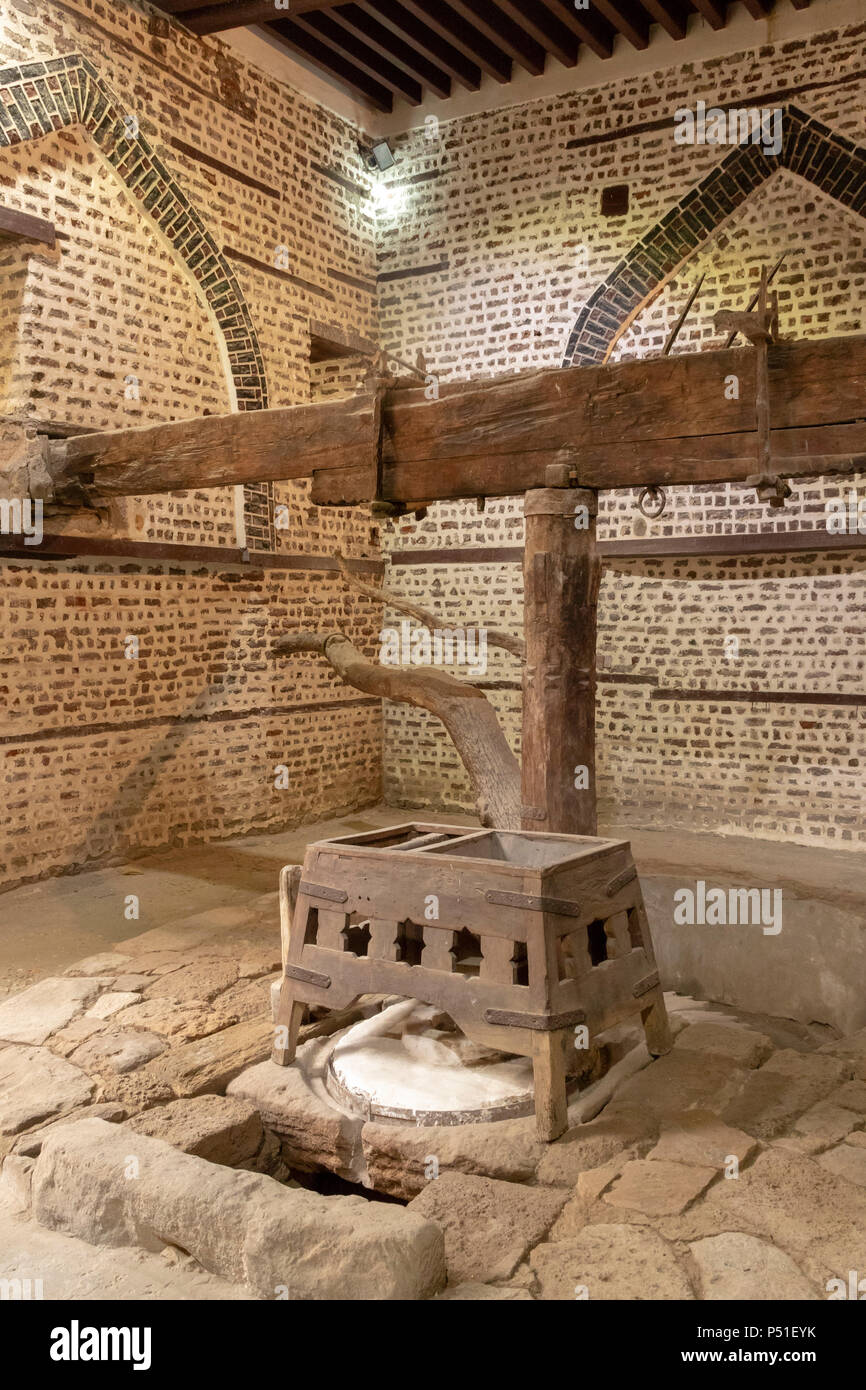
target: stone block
<point>480,1293</point>
<point>34,1084</point>
<point>489,1226</point>
<point>846,1161</point>
<point>107,963</point>
<point>589,1146</point>
<point>659,1187</point>
<point>222,1129</point>
<point>773,1097</point>
<point>739,1044</point>
<point>118,1050</point>
<point>109,1004</point>
<point>36,1013</point>
<point>315,1134</point>
<point>701,1138</point>
<point>276,1241</point>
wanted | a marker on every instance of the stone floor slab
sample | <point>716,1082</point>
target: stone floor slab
<point>659,1187</point>
<point>489,1226</point>
<point>36,1013</point>
<point>34,1084</point>
<point>738,1266</point>
<point>700,1137</point>
<point>609,1262</point>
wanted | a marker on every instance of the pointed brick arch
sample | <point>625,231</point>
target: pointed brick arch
<point>41,97</point>
<point>809,148</point>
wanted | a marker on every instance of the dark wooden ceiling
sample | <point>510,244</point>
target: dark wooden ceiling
<point>382,50</point>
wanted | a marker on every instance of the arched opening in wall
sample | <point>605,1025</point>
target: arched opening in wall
<point>820,282</point>
<point>821,158</point>
<point>110,331</point>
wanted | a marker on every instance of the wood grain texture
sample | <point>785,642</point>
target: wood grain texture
<point>662,421</point>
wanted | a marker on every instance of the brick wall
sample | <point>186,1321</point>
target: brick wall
<point>488,260</point>
<point>104,755</point>
<point>508,223</point>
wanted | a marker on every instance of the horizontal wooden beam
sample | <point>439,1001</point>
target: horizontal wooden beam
<point>688,419</point>
<point>210,451</point>
<point>67,547</point>
<point>213,19</point>
<point>15,225</point>
<point>651,548</point>
<point>755,543</point>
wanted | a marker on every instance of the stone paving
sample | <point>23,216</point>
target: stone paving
<point>734,1167</point>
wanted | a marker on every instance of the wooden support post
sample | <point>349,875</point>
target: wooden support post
<point>549,1076</point>
<point>561,571</point>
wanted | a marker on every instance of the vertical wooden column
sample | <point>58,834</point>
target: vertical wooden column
<point>561,572</point>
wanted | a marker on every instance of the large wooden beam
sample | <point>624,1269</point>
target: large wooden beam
<point>211,451</point>
<point>687,419</point>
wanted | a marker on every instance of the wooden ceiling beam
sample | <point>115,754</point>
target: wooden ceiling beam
<point>395,49</point>
<point>449,25</point>
<point>233,14</point>
<point>759,9</point>
<point>713,11</point>
<point>396,17</point>
<point>672,17</point>
<point>597,36</point>
<point>627,20</point>
<point>516,41</point>
<point>290,36</point>
<point>326,28</point>
<point>545,28</point>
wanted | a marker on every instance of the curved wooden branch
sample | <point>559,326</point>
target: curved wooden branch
<point>495,637</point>
<point>464,710</point>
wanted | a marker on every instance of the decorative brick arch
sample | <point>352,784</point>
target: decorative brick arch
<point>41,97</point>
<point>829,161</point>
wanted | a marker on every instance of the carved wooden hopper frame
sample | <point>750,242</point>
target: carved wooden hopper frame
<point>558,922</point>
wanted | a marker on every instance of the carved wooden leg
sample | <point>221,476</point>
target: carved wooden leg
<point>548,1070</point>
<point>290,1015</point>
<point>655,1024</point>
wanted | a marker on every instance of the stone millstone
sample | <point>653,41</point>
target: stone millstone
<point>384,1068</point>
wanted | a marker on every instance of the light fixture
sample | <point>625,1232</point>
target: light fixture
<point>378,157</point>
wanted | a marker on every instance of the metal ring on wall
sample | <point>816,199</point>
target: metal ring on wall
<point>652,501</point>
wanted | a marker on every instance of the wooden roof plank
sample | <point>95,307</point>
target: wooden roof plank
<point>308,46</point>
<point>397,18</point>
<point>381,69</point>
<point>449,25</point>
<point>391,46</point>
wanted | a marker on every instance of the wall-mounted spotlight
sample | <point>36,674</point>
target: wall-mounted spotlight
<point>378,157</point>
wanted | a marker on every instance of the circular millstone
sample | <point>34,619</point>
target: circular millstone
<point>411,1063</point>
